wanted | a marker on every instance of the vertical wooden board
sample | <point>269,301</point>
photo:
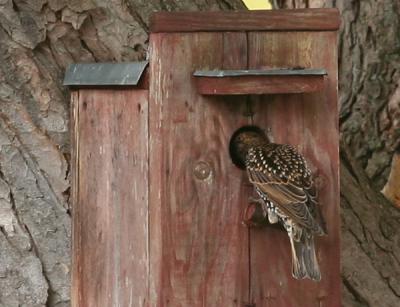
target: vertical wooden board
<point>76,297</point>
<point>198,247</point>
<point>310,122</point>
<point>235,50</point>
<point>110,214</point>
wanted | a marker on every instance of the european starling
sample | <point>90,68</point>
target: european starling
<point>281,178</point>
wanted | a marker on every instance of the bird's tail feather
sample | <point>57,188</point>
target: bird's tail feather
<point>304,260</point>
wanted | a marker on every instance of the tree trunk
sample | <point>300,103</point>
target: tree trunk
<point>370,240</point>
<point>39,38</point>
<point>370,132</point>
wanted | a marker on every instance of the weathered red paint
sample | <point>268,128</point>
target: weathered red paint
<point>251,85</point>
<point>262,20</point>
<point>310,122</point>
<point>110,192</point>
<point>157,203</point>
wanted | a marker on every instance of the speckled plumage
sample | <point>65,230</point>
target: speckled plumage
<point>285,185</point>
<point>281,174</point>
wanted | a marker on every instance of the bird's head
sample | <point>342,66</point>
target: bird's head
<point>242,140</point>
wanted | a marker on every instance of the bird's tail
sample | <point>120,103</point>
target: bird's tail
<point>304,260</point>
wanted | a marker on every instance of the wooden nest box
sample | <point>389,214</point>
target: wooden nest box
<point>158,204</point>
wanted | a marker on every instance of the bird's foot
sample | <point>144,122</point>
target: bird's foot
<point>255,215</point>
<point>255,200</point>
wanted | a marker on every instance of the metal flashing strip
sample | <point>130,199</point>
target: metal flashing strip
<point>102,74</point>
<point>260,72</point>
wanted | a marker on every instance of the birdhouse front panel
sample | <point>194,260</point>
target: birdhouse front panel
<point>200,251</point>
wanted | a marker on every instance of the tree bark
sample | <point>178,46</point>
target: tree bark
<point>391,190</point>
<point>370,240</point>
<point>39,38</point>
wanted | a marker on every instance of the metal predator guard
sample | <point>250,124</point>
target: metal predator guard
<point>287,193</point>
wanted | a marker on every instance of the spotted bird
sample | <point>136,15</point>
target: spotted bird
<point>285,185</point>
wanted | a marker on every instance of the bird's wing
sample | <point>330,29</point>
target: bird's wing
<point>281,173</point>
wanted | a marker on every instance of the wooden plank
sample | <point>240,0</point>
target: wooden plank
<point>110,215</point>
<point>198,247</point>
<point>268,20</point>
<point>247,85</point>
<point>310,122</point>
<point>76,284</point>
<point>235,50</point>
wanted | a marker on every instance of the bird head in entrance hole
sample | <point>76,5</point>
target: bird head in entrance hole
<point>287,193</point>
<point>242,140</point>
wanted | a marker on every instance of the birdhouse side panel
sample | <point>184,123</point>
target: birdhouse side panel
<point>110,197</point>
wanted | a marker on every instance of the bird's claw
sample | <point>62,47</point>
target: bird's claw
<point>254,215</point>
<point>254,200</point>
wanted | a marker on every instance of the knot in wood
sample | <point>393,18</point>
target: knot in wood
<point>202,170</point>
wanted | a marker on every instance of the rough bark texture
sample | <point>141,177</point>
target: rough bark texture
<point>370,127</point>
<point>391,190</point>
<point>39,38</point>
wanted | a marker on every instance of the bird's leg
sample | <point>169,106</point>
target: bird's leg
<point>255,200</point>
<point>255,214</point>
<point>258,201</point>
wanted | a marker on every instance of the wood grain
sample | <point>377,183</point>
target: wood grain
<point>248,85</point>
<point>268,20</point>
<point>310,122</point>
<point>198,246</point>
<point>76,297</point>
<point>110,258</point>
<point>158,204</point>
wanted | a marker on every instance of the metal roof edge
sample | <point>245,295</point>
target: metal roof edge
<point>105,74</point>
